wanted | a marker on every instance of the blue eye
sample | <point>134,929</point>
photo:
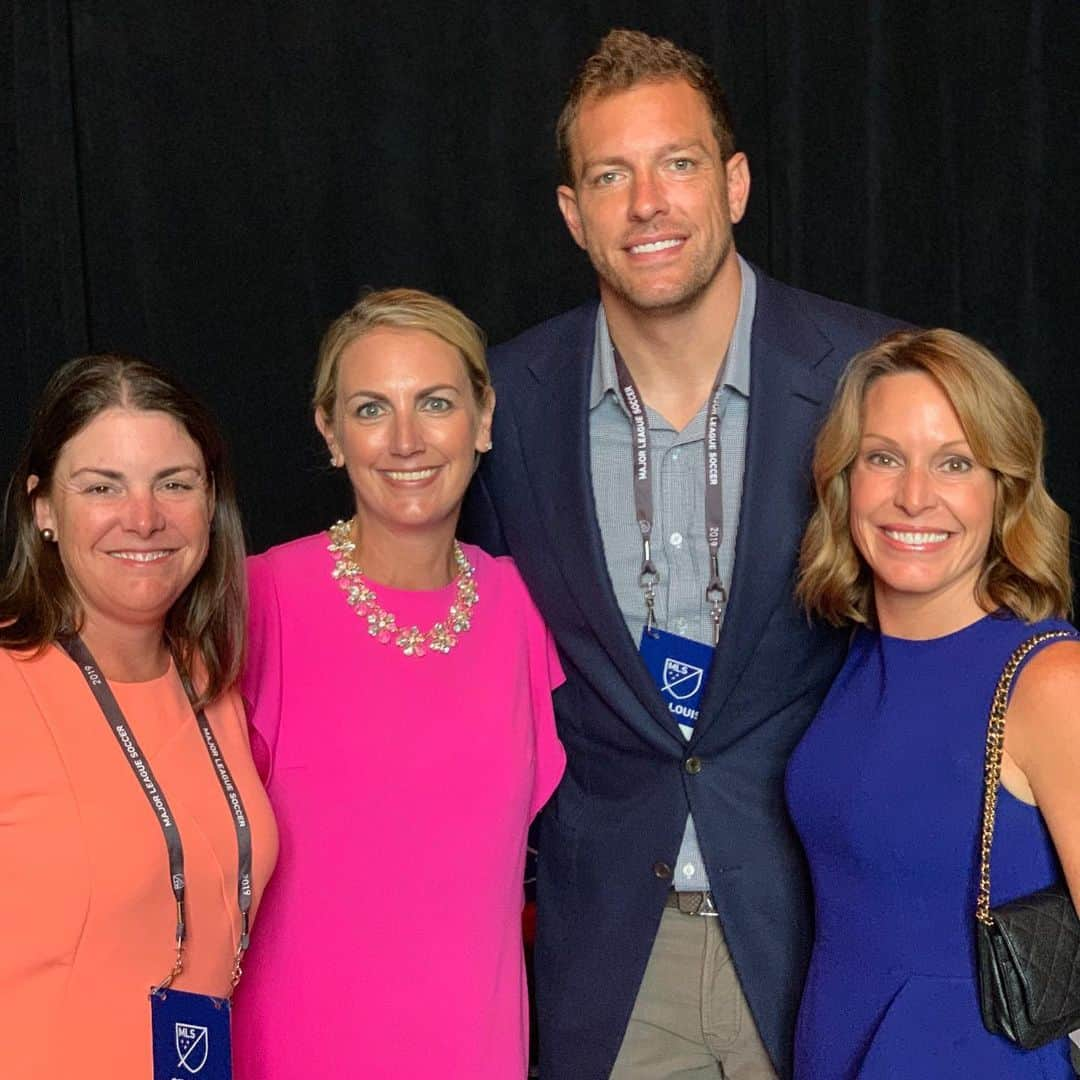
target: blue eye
<point>437,404</point>
<point>368,410</point>
<point>605,179</point>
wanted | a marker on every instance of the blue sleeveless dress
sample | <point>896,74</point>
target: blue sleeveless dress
<point>886,792</point>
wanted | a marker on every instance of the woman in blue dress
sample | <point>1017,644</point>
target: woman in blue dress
<point>935,537</point>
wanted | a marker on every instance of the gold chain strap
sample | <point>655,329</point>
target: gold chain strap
<point>995,747</point>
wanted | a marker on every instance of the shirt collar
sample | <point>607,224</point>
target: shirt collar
<point>736,364</point>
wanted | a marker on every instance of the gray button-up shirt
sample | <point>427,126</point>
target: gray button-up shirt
<point>679,547</point>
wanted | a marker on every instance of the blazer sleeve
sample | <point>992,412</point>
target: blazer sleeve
<point>479,523</point>
<point>546,675</point>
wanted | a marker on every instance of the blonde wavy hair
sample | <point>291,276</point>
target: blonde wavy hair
<point>409,309</point>
<point>1027,563</point>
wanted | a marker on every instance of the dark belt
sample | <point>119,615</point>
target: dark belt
<point>691,903</point>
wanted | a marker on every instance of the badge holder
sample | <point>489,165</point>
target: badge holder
<point>191,1033</point>
<point>680,668</point>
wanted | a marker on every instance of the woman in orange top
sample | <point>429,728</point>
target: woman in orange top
<point>129,805</point>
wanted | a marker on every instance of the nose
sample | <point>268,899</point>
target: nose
<point>143,513</point>
<point>647,197</point>
<point>406,438</point>
<point>915,491</point>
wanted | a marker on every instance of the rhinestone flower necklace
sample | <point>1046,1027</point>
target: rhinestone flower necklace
<point>382,624</point>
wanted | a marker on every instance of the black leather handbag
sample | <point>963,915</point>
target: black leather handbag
<point>1028,949</point>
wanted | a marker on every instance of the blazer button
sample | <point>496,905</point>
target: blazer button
<point>662,870</point>
<point>692,765</point>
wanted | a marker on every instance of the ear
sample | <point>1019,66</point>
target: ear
<point>43,511</point>
<point>483,431</point>
<point>737,169</point>
<point>326,430</point>
<point>568,207</point>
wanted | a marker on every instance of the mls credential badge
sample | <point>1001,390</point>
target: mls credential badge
<point>191,1036</point>
<point>192,1046</point>
<point>680,668</point>
<point>681,680</point>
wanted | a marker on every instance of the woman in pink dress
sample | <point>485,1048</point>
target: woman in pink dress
<point>399,686</point>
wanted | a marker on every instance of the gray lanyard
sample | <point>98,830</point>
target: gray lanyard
<point>110,708</point>
<point>715,593</point>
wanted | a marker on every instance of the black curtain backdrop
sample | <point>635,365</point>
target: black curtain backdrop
<point>209,184</point>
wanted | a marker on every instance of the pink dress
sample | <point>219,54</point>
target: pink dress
<point>389,941</point>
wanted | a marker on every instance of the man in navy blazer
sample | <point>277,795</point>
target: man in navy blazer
<point>671,887</point>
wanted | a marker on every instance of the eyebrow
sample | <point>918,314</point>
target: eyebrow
<point>113,474</point>
<point>893,442</point>
<point>663,151</point>
<point>374,395</point>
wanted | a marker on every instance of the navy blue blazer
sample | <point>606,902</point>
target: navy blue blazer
<point>612,831</point>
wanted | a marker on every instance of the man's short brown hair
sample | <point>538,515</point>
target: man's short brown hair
<point>627,58</point>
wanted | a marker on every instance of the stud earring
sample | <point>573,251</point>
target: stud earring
<point>48,535</point>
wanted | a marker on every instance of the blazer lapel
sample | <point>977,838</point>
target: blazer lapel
<point>787,398</point>
<point>554,435</point>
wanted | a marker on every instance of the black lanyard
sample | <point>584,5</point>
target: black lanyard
<point>110,708</point>
<point>715,594</point>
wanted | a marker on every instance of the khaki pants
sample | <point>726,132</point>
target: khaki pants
<point>691,1020</point>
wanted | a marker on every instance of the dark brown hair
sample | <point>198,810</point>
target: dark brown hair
<point>205,627</point>
<point>626,58</point>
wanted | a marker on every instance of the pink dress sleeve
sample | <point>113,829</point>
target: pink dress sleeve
<point>260,682</point>
<point>546,674</point>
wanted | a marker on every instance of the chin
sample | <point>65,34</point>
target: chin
<point>679,294</point>
<point>673,298</point>
<point>148,605</point>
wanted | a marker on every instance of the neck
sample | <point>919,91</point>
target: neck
<point>405,559</point>
<point>674,354</point>
<point>920,618</point>
<point>126,653</point>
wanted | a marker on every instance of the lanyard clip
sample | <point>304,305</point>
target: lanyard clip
<point>716,598</point>
<point>237,971</point>
<point>178,962</point>
<point>241,948</point>
<point>648,579</point>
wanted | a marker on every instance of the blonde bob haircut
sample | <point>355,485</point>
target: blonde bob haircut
<point>406,309</point>
<point>1027,563</point>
